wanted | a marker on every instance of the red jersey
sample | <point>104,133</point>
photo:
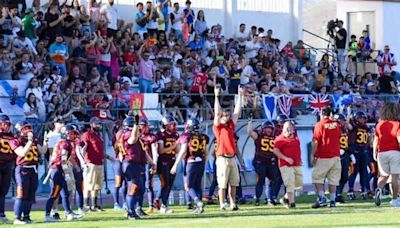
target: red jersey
<point>62,145</point>
<point>31,157</point>
<point>95,147</point>
<point>167,139</point>
<point>136,152</point>
<point>149,139</point>
<point>290,147</point>
<point>225,136</point>
<point>199,81</point>
<point>99,112</point>
<point>197,145</point>
<point>359,135</point>
<point>264,147</point>
<point>6,154</point>
<point>327,133</point>
<point>387,132</point>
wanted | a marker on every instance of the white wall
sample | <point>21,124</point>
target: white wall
<point>391,34</point>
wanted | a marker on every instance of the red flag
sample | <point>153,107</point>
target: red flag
<point>318,102</point>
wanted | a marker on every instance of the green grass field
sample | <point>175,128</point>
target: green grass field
<point>358,213</point>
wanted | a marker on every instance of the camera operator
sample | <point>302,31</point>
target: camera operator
<point>340,42</point>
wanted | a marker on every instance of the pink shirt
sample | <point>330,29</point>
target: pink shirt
<point>146,69</point>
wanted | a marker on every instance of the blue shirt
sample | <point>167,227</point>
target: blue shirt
<point>165,7</point>
<point>138,27</point>
<point>189,19</point>
<point>194,45</point>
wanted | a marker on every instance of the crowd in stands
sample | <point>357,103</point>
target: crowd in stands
<point>87,54</point>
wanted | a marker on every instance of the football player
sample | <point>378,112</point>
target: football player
<point>194,148</point>
<point>27,148</point>
<point>120,182</point>
<point>61,173</point>
<point>344,155</point>
<point>359,141</point>
<point>133,165</point>
<point>265,161</point>
<point>167,148</point>
<point>7,160</point>
<point>150,141</point>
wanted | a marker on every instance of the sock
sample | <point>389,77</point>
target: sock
<point>86,201</point>
<point>332,196</point>
<point>94,201</point>
<point>321,194</point>
<point>55,211</point>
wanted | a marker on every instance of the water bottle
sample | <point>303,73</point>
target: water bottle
<point>171,198</point>
<point>181,197</point>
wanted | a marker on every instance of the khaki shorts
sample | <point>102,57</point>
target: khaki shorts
<point>227,172</point>
<point>93,177</point>
<point>327,168</point>
<point>292,177</point>
<point>389,163</point>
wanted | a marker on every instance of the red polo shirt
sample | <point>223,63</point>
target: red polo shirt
<point>327,133</point>
<point>225,136</point>
<point>387,132</point>
<point>95,147</point>
<point>290,147</point>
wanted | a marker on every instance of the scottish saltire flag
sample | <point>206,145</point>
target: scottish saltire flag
<point>339,101</point>
<point>285,104</point>
<point>146,105</point>
<point>317,102</point>
<point>270,106</point>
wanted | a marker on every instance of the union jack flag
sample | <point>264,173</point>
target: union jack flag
<point>318,102</point>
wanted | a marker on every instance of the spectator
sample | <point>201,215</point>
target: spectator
<point>7,22</point>
<point>6,65</point>
<point>54,21</point>
<point>242,36</point>
<point>111,16</point>
<point>386,61</point>
<point>29,26</point>
<point>31,112</point>
<point>176,21</point>
<point>161,20</point>
<point>141,20</point>
<point>200,25</point>
<point>340,42</point>
<point>188,16</point>
<point>146,71</point>
<point>59,53</point>
<point>23,44</point>
<point>34,87</point>
<point>152,16</point>
<point>25,69</point>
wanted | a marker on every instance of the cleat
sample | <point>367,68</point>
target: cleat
<point>273,202</point>
<point>332,204</point>
<point>257,203</point>
<point>72,216</point>
<point>117,207</point>
<point>48,218</point>
<point>351,195</point>
<point>339,199</point>
<point>363,195</point>
<point>125,207</point>
<point>19,222</point>
<point>210,201</point>
<point>28,220</point>
<point>378,197</point>
<point>165,210</point>
<point>133,216</point>
<point>96,209</point>
<point>395,203</point>
<point>140,212</point>
<point>222,209</point>
<point>190,206</point>
<point>81,211</point>
<point>200,207</point>
<point>157,204</point>
<point>150,210</point>
<point>56,216</point>
<point>321,202</point>
<point>292,205</point>
<point>3,219</point>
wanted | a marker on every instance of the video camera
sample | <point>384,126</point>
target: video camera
<point>332,24</point>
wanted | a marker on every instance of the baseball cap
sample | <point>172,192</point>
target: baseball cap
<point>95,120</point>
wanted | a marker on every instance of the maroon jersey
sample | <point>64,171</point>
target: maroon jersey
<point>149,139</point>
<point>61,145</point>
<point>118,144</point>
<point>6,154</point>
<point>95,148</point>
<point>31,157</point>
<point>167,139</point>
<point>136,152</point>
<point>344,139</point>
<point>358,136</point>
<point>197,145</point>
<point>75,144</point>
<point>264,146</point>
